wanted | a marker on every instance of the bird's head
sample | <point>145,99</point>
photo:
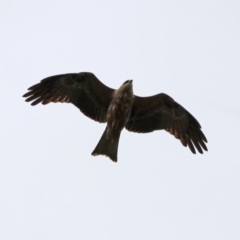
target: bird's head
<point>126,87</point>
<point>128,82</point>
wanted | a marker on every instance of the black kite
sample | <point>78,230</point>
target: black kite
<point>119,108</point>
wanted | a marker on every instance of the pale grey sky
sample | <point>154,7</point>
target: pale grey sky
<point>50,185</point>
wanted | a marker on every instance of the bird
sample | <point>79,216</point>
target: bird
<point>119,108</point>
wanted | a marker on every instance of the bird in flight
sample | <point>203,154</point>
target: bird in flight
<point>119,108</point>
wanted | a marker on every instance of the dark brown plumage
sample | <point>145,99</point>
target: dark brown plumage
<point>119,108</point>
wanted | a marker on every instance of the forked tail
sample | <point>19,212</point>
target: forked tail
<point>107,147</point>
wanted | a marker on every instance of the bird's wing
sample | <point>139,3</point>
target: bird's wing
<point>162,112</point>
<point>83,90</point>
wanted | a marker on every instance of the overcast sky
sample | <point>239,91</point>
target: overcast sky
<point>50,185</point>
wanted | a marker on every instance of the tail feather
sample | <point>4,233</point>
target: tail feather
<point>107,147</point>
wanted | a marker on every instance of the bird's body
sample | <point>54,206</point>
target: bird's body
<point>119,108</point>
<point>118,114</point>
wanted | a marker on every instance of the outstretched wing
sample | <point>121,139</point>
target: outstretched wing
<point>83,90</point>
<point>162,112</point>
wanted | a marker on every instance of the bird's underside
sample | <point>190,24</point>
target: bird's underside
<point>119,108</point>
